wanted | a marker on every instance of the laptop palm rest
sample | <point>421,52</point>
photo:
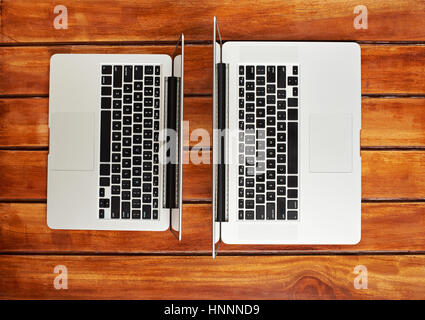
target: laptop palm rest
<point>72,149</point>
<point>331,139</point>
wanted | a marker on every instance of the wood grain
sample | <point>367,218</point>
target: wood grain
<point>23,229</point>
<point>385,175</point>
<point>143,20</point>
<point>395,69</point>
<point>25,172</point>
<point>386,122</point>
<point>130,277</point>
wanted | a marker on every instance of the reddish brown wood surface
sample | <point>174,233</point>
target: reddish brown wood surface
<point>24,175</point>
<point>314,277</point>
<point>393,175</point>
<point>386,122</point>
<point>395,69</point>
<point>23,229</point>
<point>143,20</point>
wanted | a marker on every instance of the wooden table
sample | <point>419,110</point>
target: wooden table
<point>148,265</point>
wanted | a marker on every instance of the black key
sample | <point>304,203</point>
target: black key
<point>148,112</point>
<point>155,192</point>
<point>260,91</point>
<point>241,204</point>
<point>241,81</point>
<point>270,186</point>
<point>116,136</point>
<point>250,73</point>
<point>281,77</point>
<point>281,115</point>
<point>101,213</point>
<point>250,107</point>
<point>137,171</point>
<point>271,74</point>
<point>157,70</point>
<point>281,169</point>
<point>147,198</point>
<point>138,72</point>
<point>281,105</point>
<point>292,102</point>
<point>125,210</point>
<point>106,80</point>
<point>137,161</point>
<point>281,126</point>
<point>117,76</point>
<point>126,173</point>
<point>292,204</point>
<point>115,189</point>
<point>292,81</point>
<point>250,85</point>
<point>292,193</point>
<point>148,91</point>
<point>146,211</point>
<point>135,214</point>
<point>105,136</point>
<point>138,96</point>
<point>249,193</point>
<point>125,195</point>
<point>157,81</point>
<point>138,86</point>
<point>241,191</point>
<point>292,181</point>
<point>295,91</point>
<point>155,214</point>
<point>241,92</point>
<point>117,104</point>
<point>271,212</point>
<point>104,182</point>
<point>271,174</point>
<point>137,139</point>
<point>116,115</point>
<point>249,214</point>
<point>147,176</point>
<point>128,98</point>
<point>270,195</point>
<point>106,69</point>
<point>149,69</point>
<point>281,158</point>
<point>281,180</point>
<point>260,177</point>
<point>137,128</point>
<point>116,178</point>
<point>105,169</point>
<point>241,70</point>
<point>271,88</point>
<point>281,191</point>
<point>115,207</point>
<point>136,203</point>
<point>271,99</point>
<point>249,204</point>
<point>105,102</point>
<point>281,208</point>
<point>241,181</point>
<point>126,184</point>
<point>136,192</point>
<point>281,137</point>
<point>261,81</point>
<point>261,123</point>
<point>101,192</point>
<point>116,168</point>
<point>128,74</point>
<point>149,81</point>
<point>137,182</point>
<point>281,94</point>
<point>240,214</point>
<point>259,212</point>
<point>292,147</point>
<point>126,131</point>
<point>292,215</point>
<point>117,94</point>
<point>250,118</point>
<point>281,147</point>
<point>249,183</point>
<point>261,70</point>
<point>260,187</point>
<point>106,91</point>
<point>294,70</point>
<point>259,198</point>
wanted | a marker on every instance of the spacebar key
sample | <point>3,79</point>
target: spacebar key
<point>292,147</point>
<point>105,136</point>
<point>115,207</point>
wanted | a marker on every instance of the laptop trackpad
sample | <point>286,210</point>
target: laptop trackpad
<point>72,141</point>
<point>331,138</point>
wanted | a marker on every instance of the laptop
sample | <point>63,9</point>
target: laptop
<point>286,144</point>
<point>116,143</point>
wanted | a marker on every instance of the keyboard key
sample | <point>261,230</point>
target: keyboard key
<point>281,210</point>
<point>292,181</point>
<point>117,76</point>
<point>292,204</point>
<point>138,73</point>
<point>281,77</point>
<point>104,182</point>
<point>106,69</point>
<point>292,147</point>
<point>125,210</point>
<point>105,169</point>
<point>292,102</point>
<point>271,74</point>
<point>292,81</point>
<point>115,207</point>
<point>271,212</point>
<point>292,215</point>
<point>146,211</point>
<point>259,212</point>
<point>250,72</point>
<point>292,193</point>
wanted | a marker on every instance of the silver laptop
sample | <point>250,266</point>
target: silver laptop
<point>286,145</point>
<point>115,156</point>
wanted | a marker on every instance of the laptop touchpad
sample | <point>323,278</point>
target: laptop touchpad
<point>72,141</point>
<point>331,138</point>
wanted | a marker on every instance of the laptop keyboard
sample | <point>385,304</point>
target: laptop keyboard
<point>268,142</point>
<point>129,142</point>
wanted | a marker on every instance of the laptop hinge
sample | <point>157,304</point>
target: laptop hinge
<point>222,214</point>
<point>172,140</point>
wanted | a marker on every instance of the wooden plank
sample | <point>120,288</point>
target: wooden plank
<point>395,122</point>
<point>24,121</point>
<point>132,277</point>
<point>23,228</point>
<point>30,65</point>
<point>274,20</point>
<point>385,175</point>
<point>386,122</point>
<point>395,69</point>
<point>25,173</point>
